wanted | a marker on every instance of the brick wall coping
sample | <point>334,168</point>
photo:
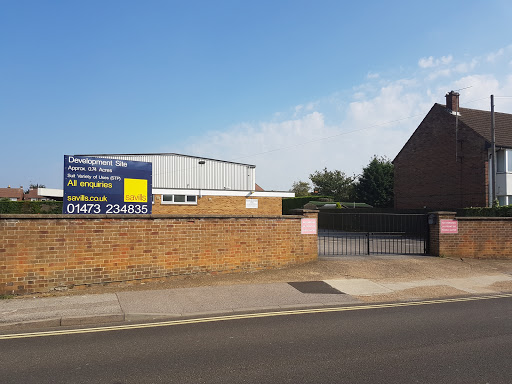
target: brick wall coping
<point>480,218</point>
<point>470,218</point>
<point>138,217</point>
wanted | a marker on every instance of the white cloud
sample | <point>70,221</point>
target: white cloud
<point>431,62</point>
<point>292,149</point>
<point>440,73</point>
<point>445,67</point>
<point>491,57</point>
<point>449,68</point>
<point>466,66</point>
<point>301,109</point>
<point>446,60</point>
<point>374,118</point>
<point>311,106</point>
<point>427,62</point>
<point>479,88</point>
<point>359,95</point>
<point>285,150</point>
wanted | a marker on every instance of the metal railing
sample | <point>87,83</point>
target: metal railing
<point>372,233</point>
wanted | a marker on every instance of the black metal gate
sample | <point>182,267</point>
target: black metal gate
<point>372,233</point>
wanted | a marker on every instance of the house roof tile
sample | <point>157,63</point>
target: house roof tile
<point>32,194</point>
<point>11,192</point>
<point>480,122</point>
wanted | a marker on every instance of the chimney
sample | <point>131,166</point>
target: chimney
<point>452,101</point>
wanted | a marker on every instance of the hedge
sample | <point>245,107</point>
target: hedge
<point>290,203</point>
<point>30,207</point>
<point>505,211</point>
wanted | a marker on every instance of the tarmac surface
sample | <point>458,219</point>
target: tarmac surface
<point>327,282</point>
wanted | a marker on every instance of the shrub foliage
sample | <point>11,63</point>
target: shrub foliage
<point>30,207</point>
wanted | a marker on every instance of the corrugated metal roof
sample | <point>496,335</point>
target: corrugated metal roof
<point>164,154</point>
<point>171,170</point>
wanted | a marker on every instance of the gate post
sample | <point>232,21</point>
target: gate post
<point>434,230</point>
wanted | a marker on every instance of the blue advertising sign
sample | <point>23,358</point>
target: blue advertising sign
<point>110,186</point>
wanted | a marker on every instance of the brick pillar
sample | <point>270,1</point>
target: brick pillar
<point>310,213</point>
<point>435,242</point>
<point>312,239</point>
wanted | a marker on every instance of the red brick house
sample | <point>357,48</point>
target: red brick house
<point>17,194</point>
<point>33,195</point>
<point>445,163</point>
<point>13,194</point>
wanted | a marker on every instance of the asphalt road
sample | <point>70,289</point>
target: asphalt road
<point>462,342</point>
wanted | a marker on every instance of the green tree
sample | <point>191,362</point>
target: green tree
<point>375,186</point>
<point>333,183</point>
<point>300,188</point>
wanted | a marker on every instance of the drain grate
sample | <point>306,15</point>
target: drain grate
<point>314,287</point>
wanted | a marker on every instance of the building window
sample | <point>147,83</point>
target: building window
<point>500,161</point>
<point>179,199</point>
<point>504,160</point>
<point>504,200</point>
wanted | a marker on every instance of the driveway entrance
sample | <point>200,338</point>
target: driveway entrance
<point>372,233</point>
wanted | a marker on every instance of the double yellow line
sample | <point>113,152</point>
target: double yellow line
<point>250,316</point>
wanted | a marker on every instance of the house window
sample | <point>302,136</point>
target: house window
<point>504,200</point>
<point>504,161</point>
<point>500,161</point>
<point>179,199</point>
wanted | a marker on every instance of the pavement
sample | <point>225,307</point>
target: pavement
<point>328,282</point>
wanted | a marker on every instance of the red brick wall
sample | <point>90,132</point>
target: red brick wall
<point>222,205</point>
<point>477,237</point>
<point>427,173</point>
<point>41,252</point>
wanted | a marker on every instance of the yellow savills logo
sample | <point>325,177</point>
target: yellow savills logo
<point>135,191</point>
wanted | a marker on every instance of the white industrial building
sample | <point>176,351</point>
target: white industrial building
<point>189,184</point>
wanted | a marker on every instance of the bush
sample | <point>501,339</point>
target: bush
<point>30,207</point>
<point>505,211</point>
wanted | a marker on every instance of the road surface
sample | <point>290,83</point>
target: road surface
<point>460,342</point>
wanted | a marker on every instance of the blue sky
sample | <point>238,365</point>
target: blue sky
<point>289,86</point>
